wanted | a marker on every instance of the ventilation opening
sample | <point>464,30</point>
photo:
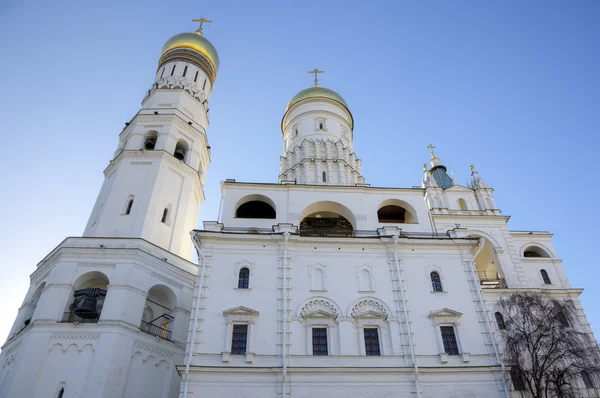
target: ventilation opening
<point>164,216</point>
<point>255,209</point>
<point>392,214</point>
<point>129,206</point>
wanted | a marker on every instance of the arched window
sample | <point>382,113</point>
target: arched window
<point>324,175</point>
<point>562,319</point>
<point>181,150</point>
<point>255,209</point>
<point>545,277</point>
<point>129,206</point>
<point>436,282</point>
<point>165,215</point>
<point>157,318</point>
<point>244,278</point>
<point>536,252</point>
<point>500,321</point>
<point>150,141</point>
<point>516,376</point>
<point>462,204</point>
<point>587,380</point>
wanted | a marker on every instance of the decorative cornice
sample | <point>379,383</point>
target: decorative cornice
<point>369,308</point>
<point>142,347</point>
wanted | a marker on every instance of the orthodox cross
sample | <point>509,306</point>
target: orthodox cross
<point>316,71</point>
<point>201,20</point>
<point>431,148</point>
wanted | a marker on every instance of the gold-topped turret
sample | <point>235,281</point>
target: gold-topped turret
<point>183,45</point>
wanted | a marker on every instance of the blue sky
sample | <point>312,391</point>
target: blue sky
<point>512,87</point>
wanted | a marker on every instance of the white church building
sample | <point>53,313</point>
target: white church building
<point>317,285</point>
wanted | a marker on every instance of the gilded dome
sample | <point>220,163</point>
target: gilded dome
<point>193,41</point>
<point>317,92</point>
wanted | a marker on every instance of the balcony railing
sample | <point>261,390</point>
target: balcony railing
<point>156,330</point>
<point>72,317</point>
<point>490,280</point>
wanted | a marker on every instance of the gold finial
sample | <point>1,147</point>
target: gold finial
<point>431,148</point>
<point>316,71</point>
<point>424,166</point>
<point>201,20</point>
<point>472,168</point>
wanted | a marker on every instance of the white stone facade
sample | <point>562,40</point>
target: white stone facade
<point>316,286</point>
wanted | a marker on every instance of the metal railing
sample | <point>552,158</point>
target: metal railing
<point>72,317</point>
<point>155,330</point>
<point>490,280</point>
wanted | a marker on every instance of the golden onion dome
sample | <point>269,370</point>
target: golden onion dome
<point>317,92</point>
<point>193,41</point>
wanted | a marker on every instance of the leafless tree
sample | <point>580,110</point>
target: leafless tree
<point>546,345</point>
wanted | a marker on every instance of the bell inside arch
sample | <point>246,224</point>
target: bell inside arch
<point>180,153</point>
<point>87,309</point>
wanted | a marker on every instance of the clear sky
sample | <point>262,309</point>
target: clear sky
<point>512,87</point>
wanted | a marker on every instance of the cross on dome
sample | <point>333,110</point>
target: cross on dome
<point>316,71</point>
<point>201,20</point>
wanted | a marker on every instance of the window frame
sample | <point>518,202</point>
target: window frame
<point>448,317</point>
<point>448,349</point>
<point>319,349</point>
<point>500,324</point>
<point>516,378</point>
<point>587,379</point>
<point>378,342</point>
<point>436,284</point>
<point>545,277</point>
<point>244,280</point>
<point>233,334</point>
<point>240,316</point>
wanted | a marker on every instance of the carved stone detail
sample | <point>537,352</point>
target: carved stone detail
<point>319,308</point>
<point>369,308</point>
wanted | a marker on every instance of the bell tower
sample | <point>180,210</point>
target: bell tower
<point>154,184</point>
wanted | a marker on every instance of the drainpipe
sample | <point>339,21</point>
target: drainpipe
<point>487,318</point>
<point>197,288</point>
<point>410,341</point>
<point>284,345</point>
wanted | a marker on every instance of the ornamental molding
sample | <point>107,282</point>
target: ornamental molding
<point>241,314</point>
<point>180,82</point>
<point>147,350</point>
<point>145,155</point>
<point>369,308</point>
<point>445,315</point>
<point>318,308</point>
<point>321,113</point>
<point>243,264</point>
<point>75,336</point>
<point>101,254</point>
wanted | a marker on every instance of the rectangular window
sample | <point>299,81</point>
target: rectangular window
<point>239,339</point>
<point>372,342</point>
<point>449,340</point>
<point>184,71</point>
<point>196,77</point>
<point>517,379</point>
<point>587,379</point>
<point>319,336</point>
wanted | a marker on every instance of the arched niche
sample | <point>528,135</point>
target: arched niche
<point>487,264</point>
<point>150,139</point>
<point>158,317</point>
<point>462,204</point>
<point>534,251</point>
<point>89,293</point>
<point>327,218</point>
<point>255,206</point>
<point>395,211</point>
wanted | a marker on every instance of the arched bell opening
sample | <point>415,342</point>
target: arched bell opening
<point>30,306</point>
<point>535,252</point>
<point>88,298</point>
<point>394,211</point>
<point>487,266</point>
<point>181,150</point>
<point>327,219</point>
<point>157,318</point>
<point>150,140</point>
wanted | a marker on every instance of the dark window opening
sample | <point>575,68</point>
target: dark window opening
<point>239,339</point>
<point>164,216</point>
<point>319,341</point>
<point>204,85</point>
<point>324,175</point>
<point>545,277</point>
<point>173,70</point>
<point>562,319</point>
<point>517,378</point>
<point>531,253</point>
<point>196,77</point>
<point>180,151</point>
<point>587,380</point>
<point>372,342</point>
<point>392,214</point>
<point>436,282</point>
<point>244,278</point>
<point>500,321</point>
<point>449,340</point>
<point>185,71</point>
<point>320,126</point>
<point>535,252</point>
<point>61,392</point>
<point>255,209</point>
<point>150,142</point>
<point>162,73</point>
<point>129,205</point>
<point>326,224</point>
